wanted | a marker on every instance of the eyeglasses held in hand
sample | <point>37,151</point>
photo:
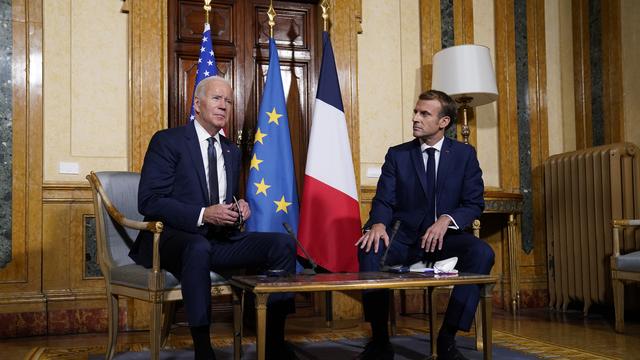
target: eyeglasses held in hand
<point>240,220</point>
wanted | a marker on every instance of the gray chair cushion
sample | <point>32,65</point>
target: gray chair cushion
<point>629,262</point>
<point>137,276</point>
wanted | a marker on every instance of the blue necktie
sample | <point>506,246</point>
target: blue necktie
<point>431,185</point>
<point>214,197</point>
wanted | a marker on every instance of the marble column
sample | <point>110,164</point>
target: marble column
<point>6,132</point>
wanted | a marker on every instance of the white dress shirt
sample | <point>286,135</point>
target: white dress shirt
<point>203,135</point>
<point>425,157</point>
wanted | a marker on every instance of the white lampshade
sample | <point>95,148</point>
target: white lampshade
<point>465,70</point>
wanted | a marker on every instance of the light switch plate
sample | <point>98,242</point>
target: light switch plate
<point>374,172</point>
<point>72,168</point>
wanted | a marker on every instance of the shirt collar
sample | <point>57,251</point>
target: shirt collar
<point>203,135</point>
<point>437,146</point>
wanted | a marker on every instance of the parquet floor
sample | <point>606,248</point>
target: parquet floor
<point>593,334</point>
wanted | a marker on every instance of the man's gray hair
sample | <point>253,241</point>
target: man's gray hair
<point>199,93</point>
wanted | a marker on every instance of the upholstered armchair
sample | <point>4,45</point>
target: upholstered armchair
<point>115,198</point>
<point>624,267</point>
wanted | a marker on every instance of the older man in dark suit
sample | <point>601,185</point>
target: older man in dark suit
<point>189,180</point>
<point>433,186</point>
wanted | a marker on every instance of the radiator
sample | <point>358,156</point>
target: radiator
<point>584,190</point>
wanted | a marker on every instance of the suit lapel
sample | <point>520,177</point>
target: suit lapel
<point>228,165</point>
<point>418,164</point>
<point>444,164</point>
<point>193,147</point>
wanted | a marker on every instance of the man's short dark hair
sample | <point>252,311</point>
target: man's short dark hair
<point>447,104</point>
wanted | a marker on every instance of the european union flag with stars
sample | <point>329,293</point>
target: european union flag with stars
<point>271,187</point>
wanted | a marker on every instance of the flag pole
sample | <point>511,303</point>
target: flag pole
<point>272,15</point>
<point>325,14</point>
<point>207,8</point>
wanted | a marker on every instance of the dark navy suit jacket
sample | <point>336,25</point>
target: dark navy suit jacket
<point>401,192</point>
<point>173,185</point>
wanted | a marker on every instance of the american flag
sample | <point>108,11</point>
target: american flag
<point>206,63</point>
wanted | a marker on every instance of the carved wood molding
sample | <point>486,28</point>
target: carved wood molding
<point>346,21</point>
<point>22,273</point>
<point>148,73</point>
<point>507,101</point>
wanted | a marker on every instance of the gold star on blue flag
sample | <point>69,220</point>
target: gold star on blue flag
<point>271,187</point>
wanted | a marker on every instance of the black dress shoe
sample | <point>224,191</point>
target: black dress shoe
<point>375,350</point>
<point>449,351</point>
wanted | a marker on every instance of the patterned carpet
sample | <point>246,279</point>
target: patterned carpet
<point>306,347</point>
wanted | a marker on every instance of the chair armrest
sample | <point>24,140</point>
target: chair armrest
<point>618,226</point>
<point>153,226</point>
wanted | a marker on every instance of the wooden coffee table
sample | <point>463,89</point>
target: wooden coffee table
<point>263,286</point>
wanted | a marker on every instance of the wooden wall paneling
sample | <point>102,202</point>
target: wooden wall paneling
<point>430,37</point>
<point>612,72</point>
<point>15,270</point>
<point>75,303</point>
<point>507,101</point>
<point>22,304</point>
<point>463,21</point>
<point>346,20</point>
<point>20,279</point>
<point>463,34</point>
<point>185,37</point>
<point>533,266</point>
<point>148,109</point>
<point>582,73</point>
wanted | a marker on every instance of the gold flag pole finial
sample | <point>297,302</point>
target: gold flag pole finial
<point>207,8</point>
<point>272,15</point>
<point>325,14</point>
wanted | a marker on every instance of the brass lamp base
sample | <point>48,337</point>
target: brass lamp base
<point>464,101</point>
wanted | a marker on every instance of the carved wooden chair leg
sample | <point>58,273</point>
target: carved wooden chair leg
<point>618,304</point>
<point>155,332</point>
<point>113,315</point>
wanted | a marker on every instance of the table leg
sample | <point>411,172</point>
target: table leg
<point>486,296</point>
<point>432,322</point>
<point>238,302</point>
<point>261,326</point>
<point>392,313</point>
<point>328,307</point>
<point>479,329</point>
<point>513,263</point>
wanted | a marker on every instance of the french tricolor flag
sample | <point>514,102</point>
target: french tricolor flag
<point>330,214</point>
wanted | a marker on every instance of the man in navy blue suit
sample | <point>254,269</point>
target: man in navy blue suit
<point>189,180</point>
<point>433,186</point>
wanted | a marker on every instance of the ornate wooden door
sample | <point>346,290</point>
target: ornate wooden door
<point>240,33</point>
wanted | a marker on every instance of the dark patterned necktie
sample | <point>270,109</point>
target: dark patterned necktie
<point>431,185</point>
<point>214,197</point>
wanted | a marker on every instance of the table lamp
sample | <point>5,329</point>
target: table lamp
<point>465,73</point>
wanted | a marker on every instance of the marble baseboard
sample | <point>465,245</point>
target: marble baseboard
<point>58,322</point>
<point>23,324</point>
